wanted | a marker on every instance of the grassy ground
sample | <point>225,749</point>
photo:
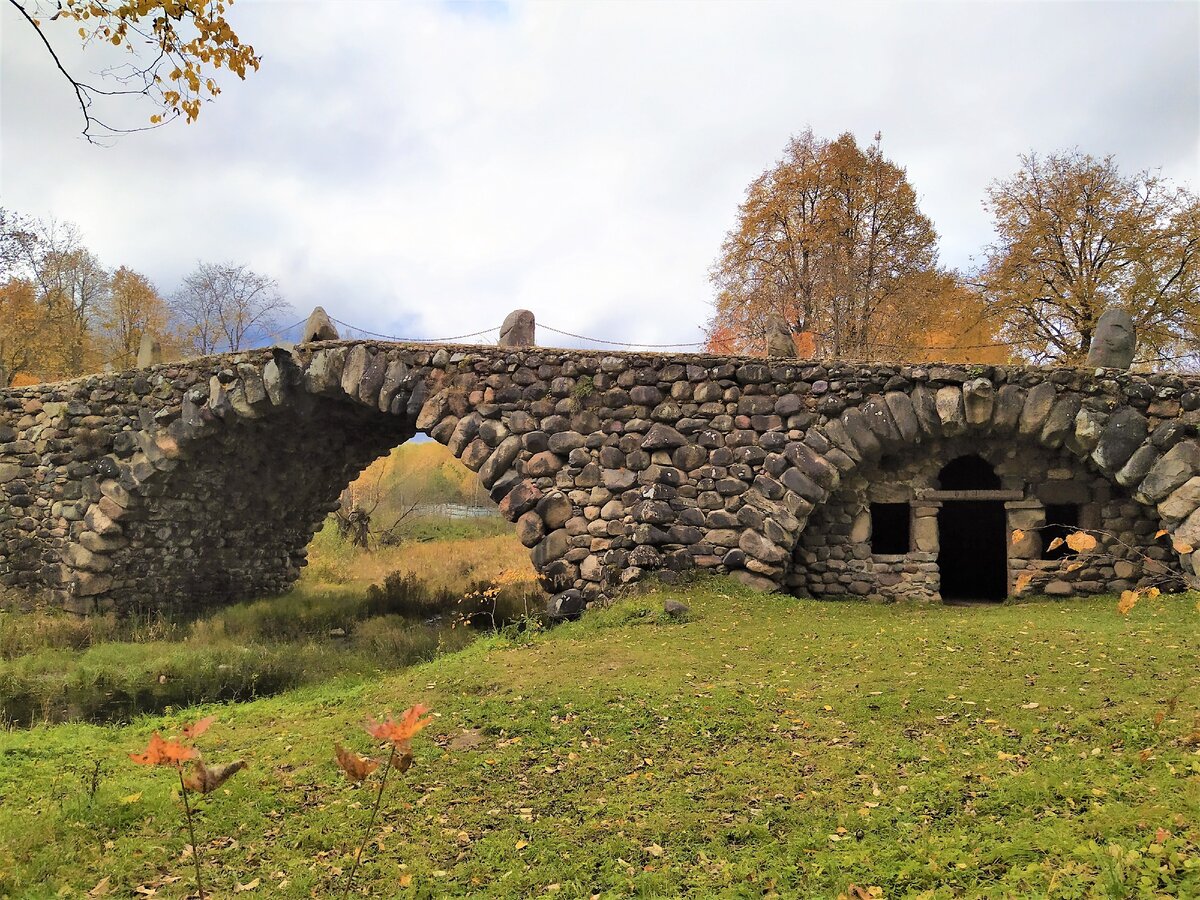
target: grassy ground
<point>482,549</point>
<point>55,666</point>
<point>765,747</point>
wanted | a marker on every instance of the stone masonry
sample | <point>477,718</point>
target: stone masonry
<point>203,481</point>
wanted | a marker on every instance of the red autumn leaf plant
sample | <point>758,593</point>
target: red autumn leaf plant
<point>399,734</point>
<point>201,780</point>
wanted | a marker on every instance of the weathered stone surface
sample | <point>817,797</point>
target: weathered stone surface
<point>149,352</point>
<point>756,545</point>
<point>570,604</point>
<point>530,528</point>
<point>905,417</point>
<point>1115,340</point>
<point>319,327</point>
<point>779,341</point>
<point>353,369</point>
<point>1006,411</point>
<point>543,464</point>
<point>324,371</point>
<point>1175,467</point>
<point>500,460</point>
<point>1060,422</point>
<point>1038,403</point>
<point>1182,502</point>
<point>862,438</point>
<point>879,419</point>
<point>518,329</point>
<point>925,406</point>
<point>661,437</point>
<point>553,546</point>
<point>555,509</point>
<point>523,497</point>
<point>950,410</point>
<point>979,398</point>
<point>1120,437</point>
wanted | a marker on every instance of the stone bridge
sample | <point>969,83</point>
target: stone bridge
<point>203,481</point>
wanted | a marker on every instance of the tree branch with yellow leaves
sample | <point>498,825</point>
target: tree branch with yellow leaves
<point>176,47</point>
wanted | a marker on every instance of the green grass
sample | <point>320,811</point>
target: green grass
<point>765,747</point>
<point>57,667</point>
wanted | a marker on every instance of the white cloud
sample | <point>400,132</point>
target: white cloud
<point>423,169</point>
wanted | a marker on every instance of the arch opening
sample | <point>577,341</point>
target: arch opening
<point>978,511</point>
<point>970,472</point>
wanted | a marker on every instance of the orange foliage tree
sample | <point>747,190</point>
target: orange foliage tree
<point>1073,236</point>
<point>167,51</point>
<point>20,329</point>
<point>135,308</point>
<point>831,239</point>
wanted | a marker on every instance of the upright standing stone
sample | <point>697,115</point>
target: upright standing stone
<point>518,329</point>
<point>1114,342</point>
<point>149,352</point>
<point>318,328</point>
<point>779,337</point>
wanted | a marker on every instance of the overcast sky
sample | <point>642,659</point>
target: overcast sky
<point>422,169</point>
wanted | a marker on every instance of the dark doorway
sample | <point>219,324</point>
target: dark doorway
<point>973,558</point>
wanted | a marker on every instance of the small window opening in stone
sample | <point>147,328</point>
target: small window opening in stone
<point>891,528</point>
<point>1061,519</point>
<point>968,473</point>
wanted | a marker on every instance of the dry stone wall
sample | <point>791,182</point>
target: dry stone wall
<point>835,556</point>
<point>203,481</point>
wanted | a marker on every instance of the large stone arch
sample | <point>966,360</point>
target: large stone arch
<point>221,502</point>
<point>1153,469</point>
<point>201,480</point>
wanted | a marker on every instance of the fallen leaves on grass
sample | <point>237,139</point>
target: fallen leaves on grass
<point>356,767</point>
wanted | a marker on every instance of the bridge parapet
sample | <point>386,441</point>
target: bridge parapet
<point>203,481</point>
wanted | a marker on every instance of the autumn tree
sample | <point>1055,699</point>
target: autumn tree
<point>220,306</point>
<point>167,52</point>
<point>134,309</point>
<point>72,288</point>
<point>832,239</point>
<point>20,329</point>
<point>1075,235</point>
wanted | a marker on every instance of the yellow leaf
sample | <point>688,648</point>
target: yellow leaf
<point>406,880</point>
<point>248,886</point>
<point>1055,544</point>
<point>1153,592</point>
<point>1182,546</point>
<point>132,798</point>
<point>1081,541</point>
<point>1018,535</point>
<point>1128,601</point>
<point>1022,582</point>
<point>83,32</point>
<point>521,845</point>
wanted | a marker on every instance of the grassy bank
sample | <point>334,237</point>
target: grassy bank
<point>354,613</point>
<point>765,747</point>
